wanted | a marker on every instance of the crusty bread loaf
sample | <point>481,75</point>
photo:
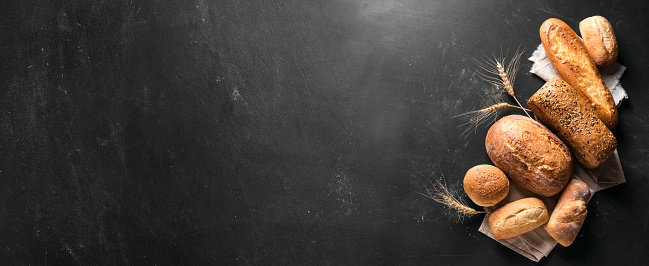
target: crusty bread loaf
<point>599,39</point>
<point>567,112</point>
<point>570,58</point>
<point>529,154</point>
<point>486,185</point>
<point>518,217</point>
<point>569,214</point>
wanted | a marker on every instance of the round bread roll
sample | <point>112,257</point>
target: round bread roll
<point>599,39</point>
<point>486,185</point>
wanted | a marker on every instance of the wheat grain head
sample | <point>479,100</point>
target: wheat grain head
<point>440,193</point>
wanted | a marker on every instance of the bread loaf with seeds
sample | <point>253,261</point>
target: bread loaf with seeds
<point>567,112</point>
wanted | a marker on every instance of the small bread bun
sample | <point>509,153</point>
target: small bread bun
<point>486,185</point>
<point>600,40</point>
<point>518,217</point>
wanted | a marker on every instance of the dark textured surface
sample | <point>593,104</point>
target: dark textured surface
<point>276,132</point>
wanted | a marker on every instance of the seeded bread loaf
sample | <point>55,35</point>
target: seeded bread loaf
<point>567,112</point>
<point>518,217</point>
<point>572,61</point>
<point>529,154</point>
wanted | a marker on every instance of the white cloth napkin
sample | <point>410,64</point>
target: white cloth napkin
<point>537,243</point>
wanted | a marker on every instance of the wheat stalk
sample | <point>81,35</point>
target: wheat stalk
<point>481,116</point>
<point>453,203</point>
<point>508,77</point>
<point>441,194</point>
<point>507,85</point>
<point>495,107</point>
<point>501,76</point>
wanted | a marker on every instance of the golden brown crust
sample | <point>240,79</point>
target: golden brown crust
<point>569,214</point>
<point>568,113</point>
<point>529,154</point>
<point>570,58</point>
<point>518,217</point>
<point>599,39</point>
<point>486,185</point>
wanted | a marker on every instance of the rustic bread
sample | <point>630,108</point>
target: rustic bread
<point>570,58</point>
<point>567,112</point>
<point>486,185</point>
<point>569,214</point>
<point>518,217</point>
<point>529,154</point>
<point>599,39</point>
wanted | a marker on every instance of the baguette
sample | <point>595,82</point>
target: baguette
<point>529,154</point>
<point>569,214</point>
<point>518,217</point>
<point>567,112</point>
<point>570,58</point>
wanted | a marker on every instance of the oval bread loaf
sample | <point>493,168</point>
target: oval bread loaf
<point>571,60</point>
<point>518,217</point>
<point>599,39</point>
<point>569,214</point>
<point>529,154</point>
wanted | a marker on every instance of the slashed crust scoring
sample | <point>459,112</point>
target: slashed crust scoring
<point>518,217</point>
<point>529,154</point>
<point>574,64</point>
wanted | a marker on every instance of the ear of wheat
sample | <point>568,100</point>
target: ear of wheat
<point>488,113</point>
<point>496,73</point>
<point>440,193</point>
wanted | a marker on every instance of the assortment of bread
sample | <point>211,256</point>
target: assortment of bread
<point>571,60</point>
<point>579,109</point>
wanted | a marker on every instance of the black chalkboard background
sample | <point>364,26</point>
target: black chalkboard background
<point>285,132</point>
